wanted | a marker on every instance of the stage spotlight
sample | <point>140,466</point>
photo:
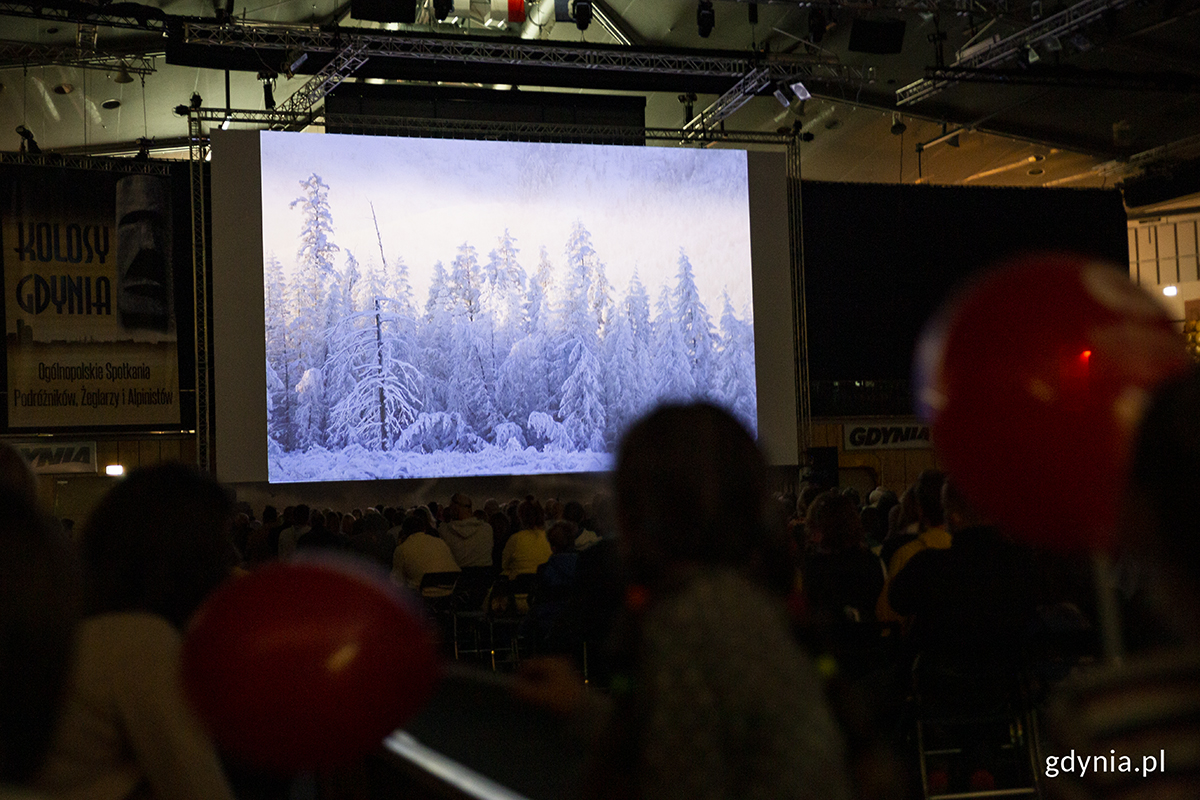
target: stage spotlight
<point>196,101</point>
<point>800,90</point>
<point>143,153</point>
<point>268,78</point>
<point>817,24</point>
<point>442,9</point>
<point>123,75</point>
<point>582,12</point>
<point>28,143</point>
<point>706,18</point>
<point>898,126</point>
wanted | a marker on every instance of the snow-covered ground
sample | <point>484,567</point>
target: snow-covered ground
<point>357,463</point>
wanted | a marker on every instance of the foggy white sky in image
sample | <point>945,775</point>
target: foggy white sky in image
<point>639,203</point>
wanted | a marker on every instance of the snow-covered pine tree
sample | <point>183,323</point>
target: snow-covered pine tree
<point>637,305</point>
<point>505,297</point>
<point>375,347</point>
<point>340,307</point>
<point>695,326</point>
<point>536,308</point>
<point>280,389</point>
<point>625,375</point>
<point>734,385</point>
<point>673,380</point>
<point>306,298</point>
<point>311,410</point>
<point>471,380</point>
<point>577,367</point>
<point>435,341</point>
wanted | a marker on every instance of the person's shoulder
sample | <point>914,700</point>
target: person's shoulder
<point>130,625</point>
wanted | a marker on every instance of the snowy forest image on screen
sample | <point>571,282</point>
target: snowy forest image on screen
<point>444,307</point>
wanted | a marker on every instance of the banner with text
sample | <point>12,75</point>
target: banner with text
<point>885,434</point>
<point>88,298</point>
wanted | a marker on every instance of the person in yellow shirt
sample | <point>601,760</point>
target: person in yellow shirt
<point>933,534</point>
<point>528,548</point>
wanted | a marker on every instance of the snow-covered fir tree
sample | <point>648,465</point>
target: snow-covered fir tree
<point>673,380</point>
<point>695,325</point>
<point>306,297</point>
<point>280,387</point>
<point>734,385</point>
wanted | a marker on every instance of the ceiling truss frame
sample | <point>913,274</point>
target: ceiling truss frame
<point>1066,21</point>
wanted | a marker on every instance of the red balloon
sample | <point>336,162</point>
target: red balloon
<point>307,665</point>
<point>1033,382</point>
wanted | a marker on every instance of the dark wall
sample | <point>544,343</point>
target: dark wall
<point>881,259</point>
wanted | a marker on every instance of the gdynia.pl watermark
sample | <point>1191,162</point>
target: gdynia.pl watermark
<point>1072,764</point>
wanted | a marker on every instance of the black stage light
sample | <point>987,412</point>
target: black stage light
<point>582,13</point>
<point>28,143</point>
<point>442,9</point>
<point>268,81</point>
<point>706,18</point>
<point>817,24</point>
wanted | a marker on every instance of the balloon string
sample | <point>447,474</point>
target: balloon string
<point>1109,612</point>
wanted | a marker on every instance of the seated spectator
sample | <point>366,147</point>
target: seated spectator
<point>904,523</point>
<point>528,548</point>
<point>320,534</point>
<point>370,539</point>
<point>573,511</point>
<point>971,603</point>
<point>288,537</point>
<point>714,698</point>
<point>469,538</point>
<point>554,584</point>
<point>931,533</point>
<point>153,549</point>
<point>842,578</point>
<point>39,607</point>
<point>419,552</point>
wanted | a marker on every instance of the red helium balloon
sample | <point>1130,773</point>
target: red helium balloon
<point>307,665</point>
<point>1034,382</point>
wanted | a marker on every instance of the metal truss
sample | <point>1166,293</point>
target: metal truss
<point>125,165</point>
<point>24,54</point>
<point>1078,78</point>
<point>727,104</point>
<point>1066,21</point>
<point>315,88</point>
<point>198,152</point>
<point>138,17</point>
<point>483,51</point>
<point>469,129</point>
<point>795,202</point>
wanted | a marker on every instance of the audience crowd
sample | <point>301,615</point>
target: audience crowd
<point>739,644</point>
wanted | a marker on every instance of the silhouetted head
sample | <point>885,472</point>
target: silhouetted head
<point>1160,516</point>
<point>158,542</point>
<point>929,497</point>
<point>531,515</point>
<point>833,523</point>
<point>691,488</point>
<point>39,606</point>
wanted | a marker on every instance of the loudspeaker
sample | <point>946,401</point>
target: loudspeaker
<point>878,36</point>
<point>384,10</point>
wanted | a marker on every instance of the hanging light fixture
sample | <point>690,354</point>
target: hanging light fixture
<point>706,18</point>
<point>123,75</point>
